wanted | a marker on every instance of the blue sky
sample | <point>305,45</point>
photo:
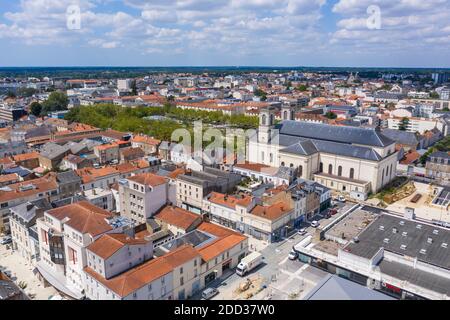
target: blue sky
<point>410,33</point>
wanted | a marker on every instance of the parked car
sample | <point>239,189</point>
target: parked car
<point>333,212</point>
<point>302,231</point>
<point>209,293</point>
<point>315,224</point>
<point>293,255</point>
<point>6,240</point>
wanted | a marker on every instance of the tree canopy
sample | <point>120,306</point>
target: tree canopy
<point>57,101</point>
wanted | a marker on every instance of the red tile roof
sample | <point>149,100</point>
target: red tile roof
<point>178,217</point>
<point>109,244</point>
<point>140,276</point>
<point>84,217</point>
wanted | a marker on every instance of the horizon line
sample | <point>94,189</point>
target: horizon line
<point>223,66</point>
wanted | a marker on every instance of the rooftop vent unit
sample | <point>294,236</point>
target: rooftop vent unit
<point>444,245</point>
<point>423,251</point>
<point>403,247</point>
<point>430,240</point>
<point>435,231</point>
<point>394,230</point>
<point>26,187</point>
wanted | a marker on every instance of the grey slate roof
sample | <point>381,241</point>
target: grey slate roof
<point>308,147</point>
<point>304,148</point>
<point>401,137</point>
<point>68,177</point>
<point>333,287</point>
<point>342,134</point>
<point>440,154</point>
<point>27,210</point>
<point>52,150</point>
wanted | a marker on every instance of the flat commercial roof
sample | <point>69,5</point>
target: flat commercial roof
<point>333,287</point>
<point>417,277</point>
<point>427,243</point>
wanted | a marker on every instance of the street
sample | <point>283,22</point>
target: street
<point>20,271</point>
<point>281,278</point>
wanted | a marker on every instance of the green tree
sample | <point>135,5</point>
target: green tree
<point>434,95</point>
<point>26,92</point>
<point>331,115</point>
<point>403,125</point>
<point>10,94</point>
<point>302,88</point>
<point>57,101</point>
<point>36,109</point>
<point>134,88</point>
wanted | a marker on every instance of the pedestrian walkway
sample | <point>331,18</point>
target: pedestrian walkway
<point>22,272</point>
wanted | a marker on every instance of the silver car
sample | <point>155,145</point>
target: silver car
<point>209,293</point>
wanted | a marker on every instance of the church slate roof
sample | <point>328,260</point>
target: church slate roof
<point>401,137</point>
<point>308,147</point>
<point>341,134</point>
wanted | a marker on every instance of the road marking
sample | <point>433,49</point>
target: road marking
<point>283,261</point>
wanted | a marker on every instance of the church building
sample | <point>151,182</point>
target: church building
<point>352,160</point>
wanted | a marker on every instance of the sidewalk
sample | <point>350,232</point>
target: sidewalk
<point>21,270</point>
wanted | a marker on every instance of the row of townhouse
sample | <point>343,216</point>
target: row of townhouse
<point>18,193</point>
<point>179,270</point>
<point>271,216</point>
<point>87,252</point>
<point>107,176</point>
<point>64,234</point>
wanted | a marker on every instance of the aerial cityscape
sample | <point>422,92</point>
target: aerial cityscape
<point>174,157</point>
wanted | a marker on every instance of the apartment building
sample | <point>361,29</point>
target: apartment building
<point>148,144</point>
<point>177,221</point>
<point>107,153</point>
<point>438,167</point>
<point>23,228</point>
<point>420,125</point>
<point>130,154</point>
<point>64,234</point>
<point>268,221</point>
<point>18,193</point>
<point>141,196</point>
<point>179,269</point>
<point>152,280</point>
<point>106,176</point>
<point>193,187</point>
<point>113,254</point>
<point>27,160</point>
<point>102,198</point>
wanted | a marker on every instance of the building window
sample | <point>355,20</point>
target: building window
<point>300,171</point>
<point>352,173</point>
<point>330,169</point>
<point>321,167</point>
<point>340,171</point>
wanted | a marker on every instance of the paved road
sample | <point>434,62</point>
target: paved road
<point>276,264</point>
